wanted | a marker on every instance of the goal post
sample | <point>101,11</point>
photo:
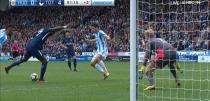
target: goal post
<point>133,53</point>
<point>185,24</point>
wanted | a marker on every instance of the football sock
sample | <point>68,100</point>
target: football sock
<point>101,63</point>
<point>99,68</point>
<point>150,78</point>
<point>15,63</point>
<point>75,63</point>
<point>173,71</point>
<point>69,64</point>
<point>43,70</point>
<point>177,65</point>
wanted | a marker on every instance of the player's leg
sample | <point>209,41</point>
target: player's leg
<point>149,74</point>
<point>178,67</point>
<point>15,55</point>
<point>95,63</point>
<point>106,72</point>
<point>75,63</point>
<point>26,57</point>
<point>102,56</point>
<point>100,59</point>
<point>173,65</point>
<point>44,62</point>
<point>73,56</point>
<point>69,62</point>
<point>156,62</point>
<point>21,55</point>
<point>102,64</point>
<point>43,68</point>
<point>173,56</point>
<point>173,71</point>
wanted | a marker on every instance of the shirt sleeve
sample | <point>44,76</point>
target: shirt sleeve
<point>101,33</point>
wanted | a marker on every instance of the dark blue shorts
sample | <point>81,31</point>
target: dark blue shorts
<point>33,52</point>
<point>70,53</point>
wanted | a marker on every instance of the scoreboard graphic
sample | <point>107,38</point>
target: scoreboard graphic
<point>62,2</point>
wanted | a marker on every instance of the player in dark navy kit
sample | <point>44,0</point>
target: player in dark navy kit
<point>160,53</point>
<point>68,45</point>
<point>34,46</point>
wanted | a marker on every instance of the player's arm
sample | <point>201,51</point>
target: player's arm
<point>107,37</point>
<point>90,39</point>
<point>63,46</point>
<point>59,28</point>
<point>34,34</point>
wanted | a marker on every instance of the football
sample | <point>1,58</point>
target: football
<point>34,77</point>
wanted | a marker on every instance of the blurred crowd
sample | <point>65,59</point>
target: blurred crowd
<point>114,20</point>
<point>186,26</point>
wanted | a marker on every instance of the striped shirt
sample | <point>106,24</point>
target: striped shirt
<point>3,36</point>
<point>101,42</point>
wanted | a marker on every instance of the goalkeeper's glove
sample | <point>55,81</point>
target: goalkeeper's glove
<point>141,71</point>
<point>142,68</point>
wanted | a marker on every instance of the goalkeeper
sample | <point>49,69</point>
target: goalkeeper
<point>160,53</point>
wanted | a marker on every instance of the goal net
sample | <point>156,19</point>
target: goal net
<point>185,24</point>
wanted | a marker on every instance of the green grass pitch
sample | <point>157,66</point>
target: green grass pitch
<point>88,84</point>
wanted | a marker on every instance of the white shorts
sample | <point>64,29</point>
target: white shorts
<point>103,55</point>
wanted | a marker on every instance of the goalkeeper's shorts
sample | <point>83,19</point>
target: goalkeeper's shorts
<point>163,58</point>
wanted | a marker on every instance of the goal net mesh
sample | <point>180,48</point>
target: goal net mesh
<point>186,25</point>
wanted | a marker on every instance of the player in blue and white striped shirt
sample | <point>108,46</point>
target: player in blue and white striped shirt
<point>4,33</point>
<point>102,50</point>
